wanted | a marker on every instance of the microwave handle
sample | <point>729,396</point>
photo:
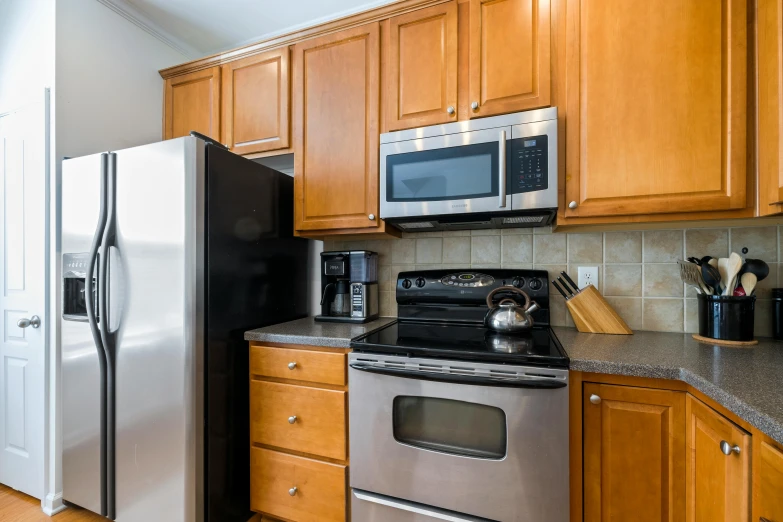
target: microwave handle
<point>502,169</point>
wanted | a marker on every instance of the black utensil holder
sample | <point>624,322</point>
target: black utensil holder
<point>729,318</point>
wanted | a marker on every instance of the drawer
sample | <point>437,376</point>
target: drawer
<point>321,487</point>
<point>319,427</point>
<point>321,367</point>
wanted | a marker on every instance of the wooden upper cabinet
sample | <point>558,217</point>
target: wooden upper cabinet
<point>770,105</point>
<point>509,56</point>
<point>634,454</point>
<point>421,77</point>
<point>656,106</point>
<point>255,102</point>
<point>768,481</point>
<point>192,103</point>
<point>336,134</point>
<point>718,485</point>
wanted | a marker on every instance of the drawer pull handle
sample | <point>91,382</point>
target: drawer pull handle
<point>292,491</point>
<point>291,365</point>
<point>728,449</point>
<point>292,419</point>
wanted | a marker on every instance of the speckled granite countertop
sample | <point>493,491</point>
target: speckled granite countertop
<point>746,381</point>
<point>309,332</point>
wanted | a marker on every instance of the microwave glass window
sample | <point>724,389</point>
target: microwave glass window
<point>466,172</point>
<point>449,426</point>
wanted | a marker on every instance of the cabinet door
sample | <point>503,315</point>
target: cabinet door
<point>509,56</point>
<point>768,487</point>
<point>770,105</point>
<point>656,106</point>
<point>255,102</point>
<point>718,485</point>
<point>421,80</point>
<point>634,454</point>
<point>336,136</point>
<point>193,104</point>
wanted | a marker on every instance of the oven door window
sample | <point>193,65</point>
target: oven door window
<point>448,426</point>
<point>464,172</point>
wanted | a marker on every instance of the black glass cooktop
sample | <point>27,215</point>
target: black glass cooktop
<point>469,342</point>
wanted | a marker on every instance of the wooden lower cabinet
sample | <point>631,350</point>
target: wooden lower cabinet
<point>634,454</point>
<point>768,481</point>
<point>718,485</point>
<point>298,433</point>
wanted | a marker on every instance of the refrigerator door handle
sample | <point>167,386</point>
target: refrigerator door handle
<point>93,322</point>
<point>107,336</point>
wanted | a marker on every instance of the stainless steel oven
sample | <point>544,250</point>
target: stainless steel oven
<point>473,174</point>
<point>434,439</point>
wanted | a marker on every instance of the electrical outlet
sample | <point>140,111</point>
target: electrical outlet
<point>588,275</point>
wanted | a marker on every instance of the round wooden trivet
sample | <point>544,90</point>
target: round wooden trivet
<point>709,340</point>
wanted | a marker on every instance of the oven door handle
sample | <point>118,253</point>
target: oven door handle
<point>519,382</point>
<point>413,507</point>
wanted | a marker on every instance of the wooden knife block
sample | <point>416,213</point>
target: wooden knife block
<point>592,314</point>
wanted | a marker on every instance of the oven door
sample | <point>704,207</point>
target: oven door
<point>452,174</point>
<point>484,440</point>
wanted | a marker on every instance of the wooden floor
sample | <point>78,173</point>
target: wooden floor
<point>18,507</point>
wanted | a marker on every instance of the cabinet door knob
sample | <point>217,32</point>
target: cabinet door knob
<point>572,205</point>
<point>372,217</point>
<point>474,106</point>
<point>595,399</point>
<point>34,321</point>
<point>728,449</point>
<point>291,365</point>
<point>293,491</point>
<point>292,419</point>
<point>450,110</point>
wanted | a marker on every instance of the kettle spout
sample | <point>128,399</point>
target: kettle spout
<point>533,307</point>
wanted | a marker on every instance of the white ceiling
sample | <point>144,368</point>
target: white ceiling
<point>207,27</point>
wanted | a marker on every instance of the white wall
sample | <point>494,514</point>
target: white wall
<point>26,51</point>
<point>109,96</point>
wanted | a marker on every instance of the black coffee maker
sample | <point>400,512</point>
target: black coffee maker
<point>349,286</point>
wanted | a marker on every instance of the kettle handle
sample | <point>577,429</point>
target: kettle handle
<point>512,289</point>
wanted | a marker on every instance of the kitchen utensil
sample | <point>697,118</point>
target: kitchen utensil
<point>711,277</point>
<point>570,281</point>
<point>733,267</point>
<point>713,262</point>
<point>591,313</point>
<point>508,316</point>
<point>723,267</point>
<point>748,280</point>
<point>690,274</point>
<point>705,260</point>
<point>694,260</point>
<point>756,267</point>
<point>567,288</point>
<point>557,286</point>
<point>739,292</point>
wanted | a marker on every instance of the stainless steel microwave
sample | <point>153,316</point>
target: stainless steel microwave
<point>494,172</point>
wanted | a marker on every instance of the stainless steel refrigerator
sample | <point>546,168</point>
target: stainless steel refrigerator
<point>170,252</point>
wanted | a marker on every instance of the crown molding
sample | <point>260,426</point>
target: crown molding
<point>144,22</point>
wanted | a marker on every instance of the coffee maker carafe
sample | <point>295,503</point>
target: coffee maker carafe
<point>349,286</point>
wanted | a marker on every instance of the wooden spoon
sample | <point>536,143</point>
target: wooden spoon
<point>723,266</point>
<point>748,281</point>
<point>733,267</point>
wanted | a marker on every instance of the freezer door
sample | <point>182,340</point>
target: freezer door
<point>81,376</point>
<point>157,312</point>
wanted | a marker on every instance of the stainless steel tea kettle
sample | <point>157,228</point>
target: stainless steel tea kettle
<point>508,316</point>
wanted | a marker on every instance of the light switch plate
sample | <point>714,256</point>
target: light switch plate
<point>588,275</point>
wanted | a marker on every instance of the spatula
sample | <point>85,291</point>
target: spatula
<point>733,266</point>
<point>723,265</point>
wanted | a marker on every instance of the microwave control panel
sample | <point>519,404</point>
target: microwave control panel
<point>529,170</point>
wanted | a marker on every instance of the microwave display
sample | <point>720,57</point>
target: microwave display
<point>529,164</point>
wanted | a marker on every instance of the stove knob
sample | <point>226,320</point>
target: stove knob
<point>518,282</point>
<point>535,284</point>
<point>406,283</point>
<point>420,282</point>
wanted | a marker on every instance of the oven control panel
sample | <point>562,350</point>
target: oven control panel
<point>467,279</point>
<point>529,170</point>
<point>467,286</point>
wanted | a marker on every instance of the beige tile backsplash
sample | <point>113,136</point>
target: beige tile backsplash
<point>638,271</point>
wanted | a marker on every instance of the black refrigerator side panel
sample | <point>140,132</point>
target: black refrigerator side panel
<point>256,276</point>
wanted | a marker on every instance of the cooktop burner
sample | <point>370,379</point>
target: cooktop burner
<point>539,347</point>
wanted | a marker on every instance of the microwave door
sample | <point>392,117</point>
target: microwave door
<point>457,173</point>
<point>532,171</point>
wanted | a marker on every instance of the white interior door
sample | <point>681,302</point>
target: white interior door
<point>22,297</point>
